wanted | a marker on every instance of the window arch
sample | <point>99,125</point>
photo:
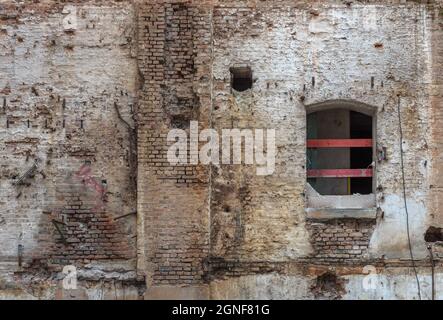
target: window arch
<point>340,148</point>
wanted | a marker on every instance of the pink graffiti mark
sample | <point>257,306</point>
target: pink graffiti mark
<point>85,174</point>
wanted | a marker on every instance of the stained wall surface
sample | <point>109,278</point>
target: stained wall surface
<point>90,90</point>
<point>372,56</point>
<point>66,157</point>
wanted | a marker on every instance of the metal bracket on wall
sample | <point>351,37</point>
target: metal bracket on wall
<point>381,154</point>
<point>125,215</point>
<point>26,174</point>
<point>57,227</point>
<point>20,250</point>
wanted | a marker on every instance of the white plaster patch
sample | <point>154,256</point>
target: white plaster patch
<point>390,236</point>
<point>262,287</point>
<point>70,21</point>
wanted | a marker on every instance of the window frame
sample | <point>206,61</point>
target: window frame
<point>349,205</point>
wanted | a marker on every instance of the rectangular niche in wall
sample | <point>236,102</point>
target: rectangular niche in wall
<point>241,78</point>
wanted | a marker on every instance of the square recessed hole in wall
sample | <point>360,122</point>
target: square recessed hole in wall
<point>241,78</point>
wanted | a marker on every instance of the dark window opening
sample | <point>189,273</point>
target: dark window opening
<point>361,128</point>
<point>241,78</point>
<point>340,152</point>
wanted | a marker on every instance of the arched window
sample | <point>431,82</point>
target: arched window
<point>340,142</point>
<point>340,152</point>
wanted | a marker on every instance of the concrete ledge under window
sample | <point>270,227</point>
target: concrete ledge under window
<point>355,201</point>
<point>328,213</point>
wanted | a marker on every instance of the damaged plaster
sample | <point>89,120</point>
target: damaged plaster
<point>90,89</point>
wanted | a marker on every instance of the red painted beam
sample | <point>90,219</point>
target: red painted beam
<point>340,173</point>
<point>340,143</point>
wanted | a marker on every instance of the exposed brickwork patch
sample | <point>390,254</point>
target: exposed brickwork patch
<point>341,240</point>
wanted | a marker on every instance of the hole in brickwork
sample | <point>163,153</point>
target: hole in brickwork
<point>328,286</point>
<point>434,234</point>
<point>179,122</point>
<point>241,78</point>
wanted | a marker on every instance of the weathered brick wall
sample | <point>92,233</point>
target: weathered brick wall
<point>254,217</point>
<point>86,231</point>
<point>62,71</point>
<point>287,46</point>
<point>341,241</point>
<point>300,54</point>
<point>174,58</point>
<point>220,231</point>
